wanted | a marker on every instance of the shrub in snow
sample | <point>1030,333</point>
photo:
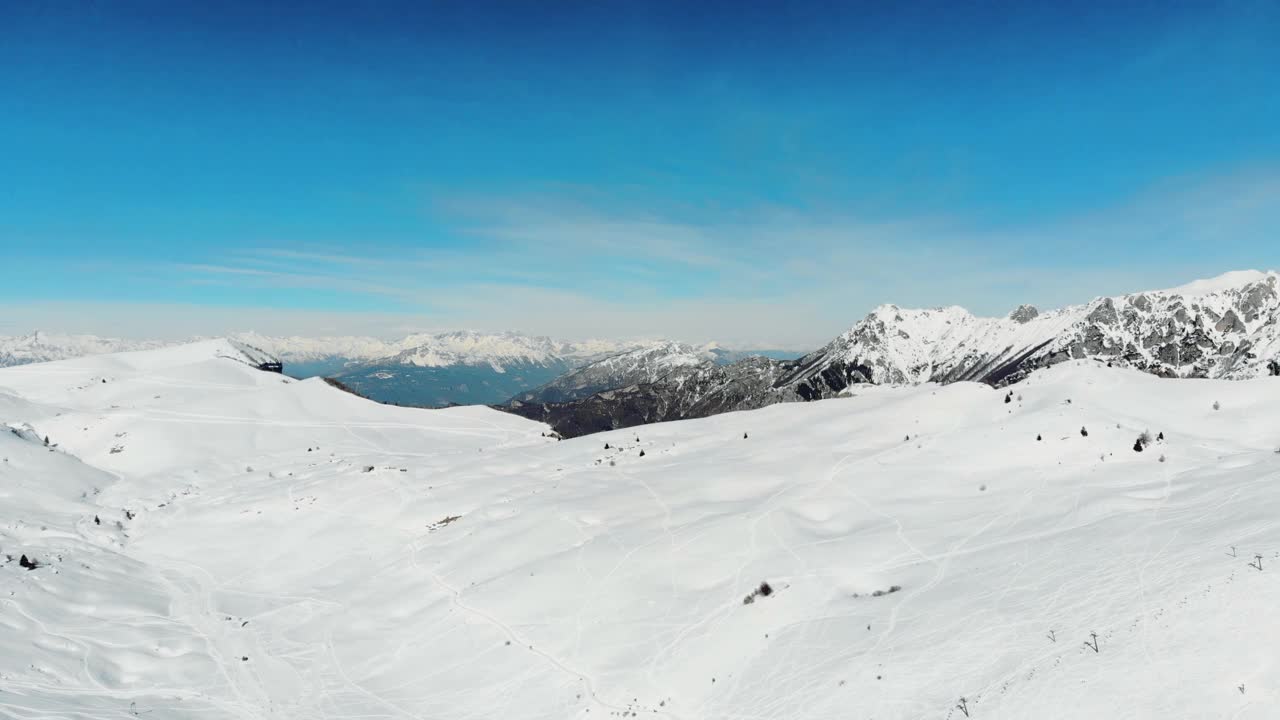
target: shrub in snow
<point>764,590</point>
<point>641,453</point>
<point>1161,458</point>
<point>744,436</point>
<point>1216,405</point>
<point>1008,398</point>
<point>1083,432</point>
<point>1038,438</point>
<point>1092,645</point>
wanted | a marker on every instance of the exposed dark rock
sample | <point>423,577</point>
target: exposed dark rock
<point>1024,313</point>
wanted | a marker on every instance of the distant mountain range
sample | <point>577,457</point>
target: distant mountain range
<point>1227,327</point>
<point>649,363</point>
<point>46,347</point>
<point>429,370</point>
<point>467,368</point>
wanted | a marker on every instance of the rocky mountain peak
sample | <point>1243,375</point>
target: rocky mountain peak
<point>1225,327</point>
<point>1024,313</point>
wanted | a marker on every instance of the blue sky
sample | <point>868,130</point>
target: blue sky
<point>753,173</point>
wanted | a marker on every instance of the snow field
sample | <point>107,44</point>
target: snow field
<point>286,550</point>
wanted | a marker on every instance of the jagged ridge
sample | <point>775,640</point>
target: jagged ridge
<point>1226,327</point>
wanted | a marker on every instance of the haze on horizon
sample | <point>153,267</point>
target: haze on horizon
<point>748,174</point>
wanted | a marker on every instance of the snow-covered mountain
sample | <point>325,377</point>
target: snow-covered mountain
<point>198,539</point>
<point>464,367</point>
<point>468,367</point>
<point>1227,327</point>
<point>644,364</point>
<point>467,347</point>
<point>45,347</point>
<point>431,369</point>
<point>296,349</point>
<point>497,350</point>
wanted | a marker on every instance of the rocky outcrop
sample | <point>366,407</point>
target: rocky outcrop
<point>689,391</point>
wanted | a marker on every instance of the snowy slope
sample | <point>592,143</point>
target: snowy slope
<point>286,550</point>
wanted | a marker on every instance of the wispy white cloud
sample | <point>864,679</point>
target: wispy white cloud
<point>776,277</point>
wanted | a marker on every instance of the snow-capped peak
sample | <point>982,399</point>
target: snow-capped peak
<point>1228,326</point>
<point>1226,282</point>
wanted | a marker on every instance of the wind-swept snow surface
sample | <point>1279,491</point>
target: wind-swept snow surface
<point>212,541</point>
